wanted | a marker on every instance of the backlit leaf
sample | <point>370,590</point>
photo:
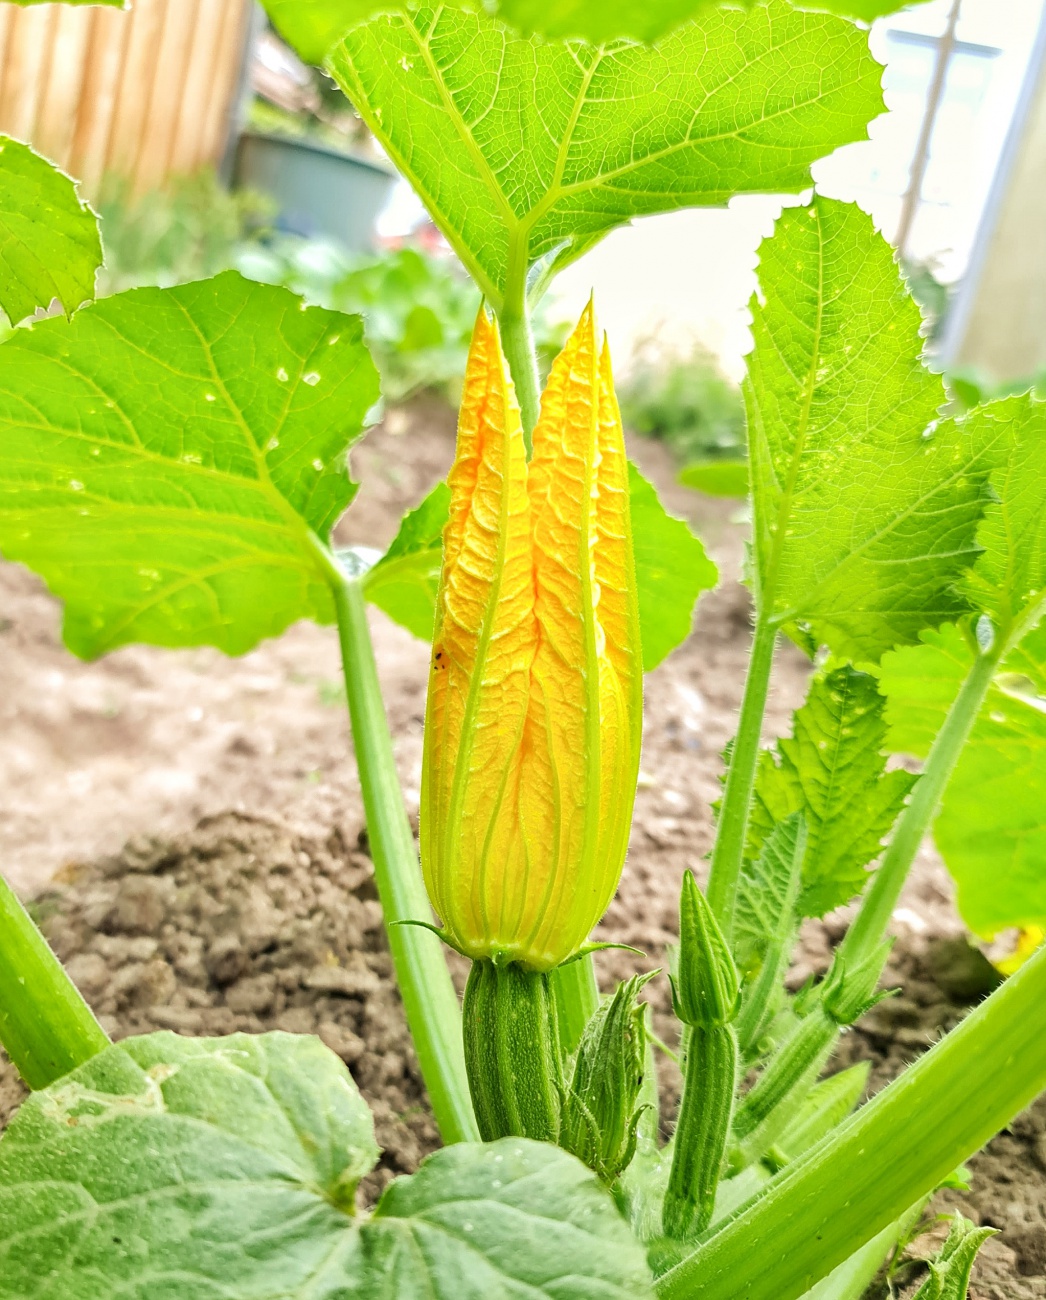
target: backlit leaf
<point>672,570</point>
<point>832,769</point>
<point>865,509</point>
<point>49,242</point>
<point>227,1167</point>
<point>171,455</point>
<point>717,478</point>
<point>528,152</point>
<point>405,580</point>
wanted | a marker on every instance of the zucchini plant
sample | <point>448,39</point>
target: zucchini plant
<point>173,464</point>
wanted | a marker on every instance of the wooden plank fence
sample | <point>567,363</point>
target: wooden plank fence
<point>145,93</point>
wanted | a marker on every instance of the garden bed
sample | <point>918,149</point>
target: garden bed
<point>244,898</point>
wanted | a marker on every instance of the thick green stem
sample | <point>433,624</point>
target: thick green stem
<point>46,1027</point>
<point>421,970</point>
<point>872,920</point>
<point>729,847</point>
<point>518,342</point>
<point>898,1148</point>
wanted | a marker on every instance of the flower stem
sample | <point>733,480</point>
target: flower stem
<point>882,894</point>
<point>518,342</point>
<point>421,970</point>
<point>820,1210</point>
<point>729,847</point>
<point>46,1027</point>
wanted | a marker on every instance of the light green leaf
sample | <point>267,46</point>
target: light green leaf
<point>313,26</point>
<point>864,10</point>
<point>832,769</point>
<point>826,1106</point>
<point>716,478</point>
<point>171,455</point>
<point>599,21</point>
<point>49,241</point>
<point>950,1272</point>
<point>672,570</point>
<point>528,152</point>
<point>769,891</point>
<point>1010,576</point>
<point>405,580</point>
<point>991,829</point>
<point>512,1218</point>
<point>228,1167</point>
<point>865,510</point>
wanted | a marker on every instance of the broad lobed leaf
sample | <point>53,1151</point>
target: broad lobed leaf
<point>527,152</point>
<point>171,455</point>
<point>865,508</point>
<point>991,829</point>
<point>313,26</point>
<point>49,242</point>
<point>228,1167</point>
<point>833,770</point>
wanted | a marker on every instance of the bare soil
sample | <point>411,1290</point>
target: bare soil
<point>191,829</point>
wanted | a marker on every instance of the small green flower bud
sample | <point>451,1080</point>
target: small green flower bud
<point>602,1108</point>
<point>706,988</point>
<point>849,992</point>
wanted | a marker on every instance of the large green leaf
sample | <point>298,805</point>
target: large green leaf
<point>672,569</point>
<point>313,26</point>
<point>196,1169</point>
<point>405,580</point>
<point>991,829</point>
<point>528,152</point>
<point>865,509</point>
<point>49,242</point>
<point>171,455</point>
<point>833,770</point>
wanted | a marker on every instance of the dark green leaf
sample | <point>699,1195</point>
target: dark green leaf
<point>171,455</point>
<point>49,242</point>
<point>717,478</point>
<point>528,152</point>
<point>197,1169</point>
<point>405,580</point>
<point>185,1168</point>
<point>832,769</point>
<point>865,511</point>
<point>672,570</point>
<point>991,829</point>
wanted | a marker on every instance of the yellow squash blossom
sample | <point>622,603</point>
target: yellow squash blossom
<point>534,716</point>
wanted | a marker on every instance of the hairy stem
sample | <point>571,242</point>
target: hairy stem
<point>46,1027</point>
<point>898,1148</point>
<point>421,970</point>
<point>882,894</point>
<point>728,852</point>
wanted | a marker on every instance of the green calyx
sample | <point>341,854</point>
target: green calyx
<point>512,1052</point>
<point>602,1107</point>
<point>706,987</point>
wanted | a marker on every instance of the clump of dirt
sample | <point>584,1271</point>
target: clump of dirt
<point>242,925</point>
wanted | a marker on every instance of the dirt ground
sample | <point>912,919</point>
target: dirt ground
<point>191,829</point>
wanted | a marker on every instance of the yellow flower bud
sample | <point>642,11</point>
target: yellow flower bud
<point>534,716</point>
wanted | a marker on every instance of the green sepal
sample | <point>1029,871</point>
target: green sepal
<point>512,1052</point>
<point>602,1107</point>
<point>950,1272</point>
<point>848,992</point>
<point>706,988</point>
<point>703,1130</point>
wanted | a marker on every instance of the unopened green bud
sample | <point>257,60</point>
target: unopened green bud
<point>706,988</point>
<point>849,992</point>
<point>602,1107</point>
